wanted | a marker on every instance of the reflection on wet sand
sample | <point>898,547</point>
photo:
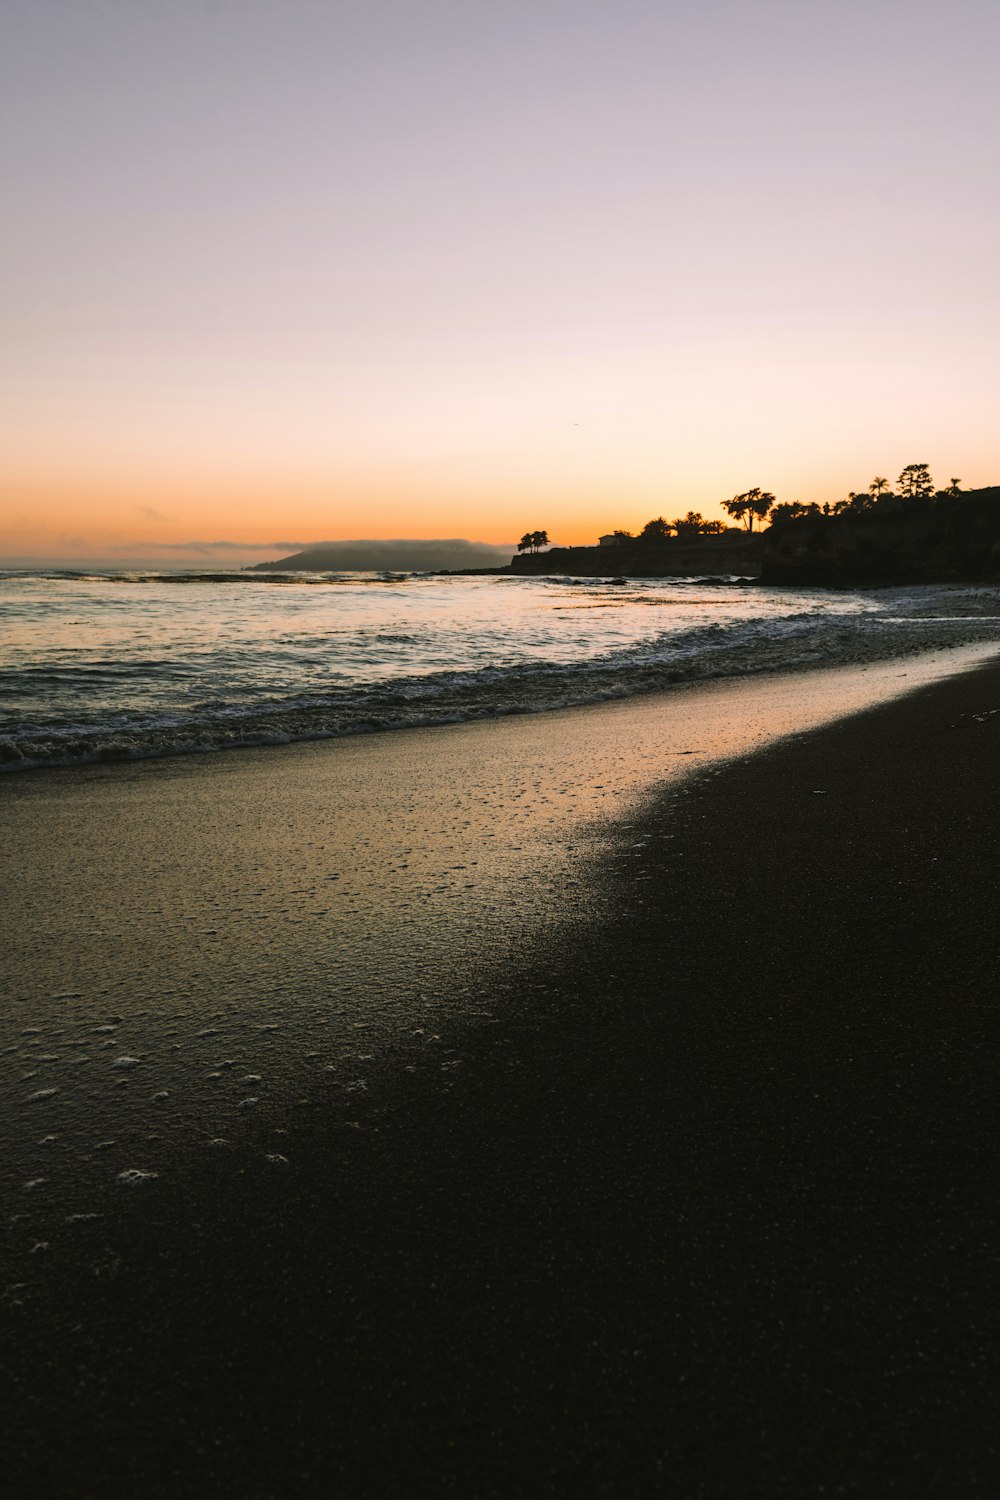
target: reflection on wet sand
<point>198,949</point>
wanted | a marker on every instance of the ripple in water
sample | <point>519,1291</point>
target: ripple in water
<point>122,666</point>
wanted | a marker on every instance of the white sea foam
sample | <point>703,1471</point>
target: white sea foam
<point>136,1177</point>
<point>90,671</point>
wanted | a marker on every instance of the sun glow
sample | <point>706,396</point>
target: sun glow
<point>496,271</point>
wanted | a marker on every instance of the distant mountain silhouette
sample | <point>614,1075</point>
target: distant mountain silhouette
<point>391,556</point>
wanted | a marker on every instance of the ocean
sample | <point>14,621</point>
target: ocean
<point>125,665</point>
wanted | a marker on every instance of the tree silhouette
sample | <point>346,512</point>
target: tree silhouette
<point>688,526</point>
<point>694,524</point>
<point>915,482</point>
<point>792,510</point>
<point>752,504</point>
<point>657,530</point>
<point>532,540</point>
<point>878,486</point>
<point>953,487</point>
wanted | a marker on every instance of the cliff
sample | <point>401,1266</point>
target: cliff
<point>635,559</point>
<point>937,539</point>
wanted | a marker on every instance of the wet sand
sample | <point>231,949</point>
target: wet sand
<point>624,1107</point>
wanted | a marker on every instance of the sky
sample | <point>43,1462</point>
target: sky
<point>277,271</point>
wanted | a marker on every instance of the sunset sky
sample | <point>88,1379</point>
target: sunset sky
<point>283,270</point>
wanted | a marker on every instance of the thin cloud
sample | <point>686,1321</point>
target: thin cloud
<point>209,549</point>
<point>151,513</point>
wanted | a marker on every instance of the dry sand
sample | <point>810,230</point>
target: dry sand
<point>623,1107</point>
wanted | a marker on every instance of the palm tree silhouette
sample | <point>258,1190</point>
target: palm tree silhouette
<point>878,485</point>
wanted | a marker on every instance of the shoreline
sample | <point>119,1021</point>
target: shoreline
<point>696,1193</point>
<point>526,691</point>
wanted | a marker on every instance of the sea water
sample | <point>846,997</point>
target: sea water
<point>119,665</point>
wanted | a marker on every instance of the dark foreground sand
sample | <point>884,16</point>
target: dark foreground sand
<point>700,1200</point>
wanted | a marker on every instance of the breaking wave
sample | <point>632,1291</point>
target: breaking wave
<point>426,698</point>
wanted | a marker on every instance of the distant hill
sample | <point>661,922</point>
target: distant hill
<point>391,556</point>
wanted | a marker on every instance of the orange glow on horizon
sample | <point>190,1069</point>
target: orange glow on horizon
<point>61,517</point>
<point>485,270</point>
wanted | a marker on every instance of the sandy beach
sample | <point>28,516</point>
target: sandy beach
<point>599,1102</point>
